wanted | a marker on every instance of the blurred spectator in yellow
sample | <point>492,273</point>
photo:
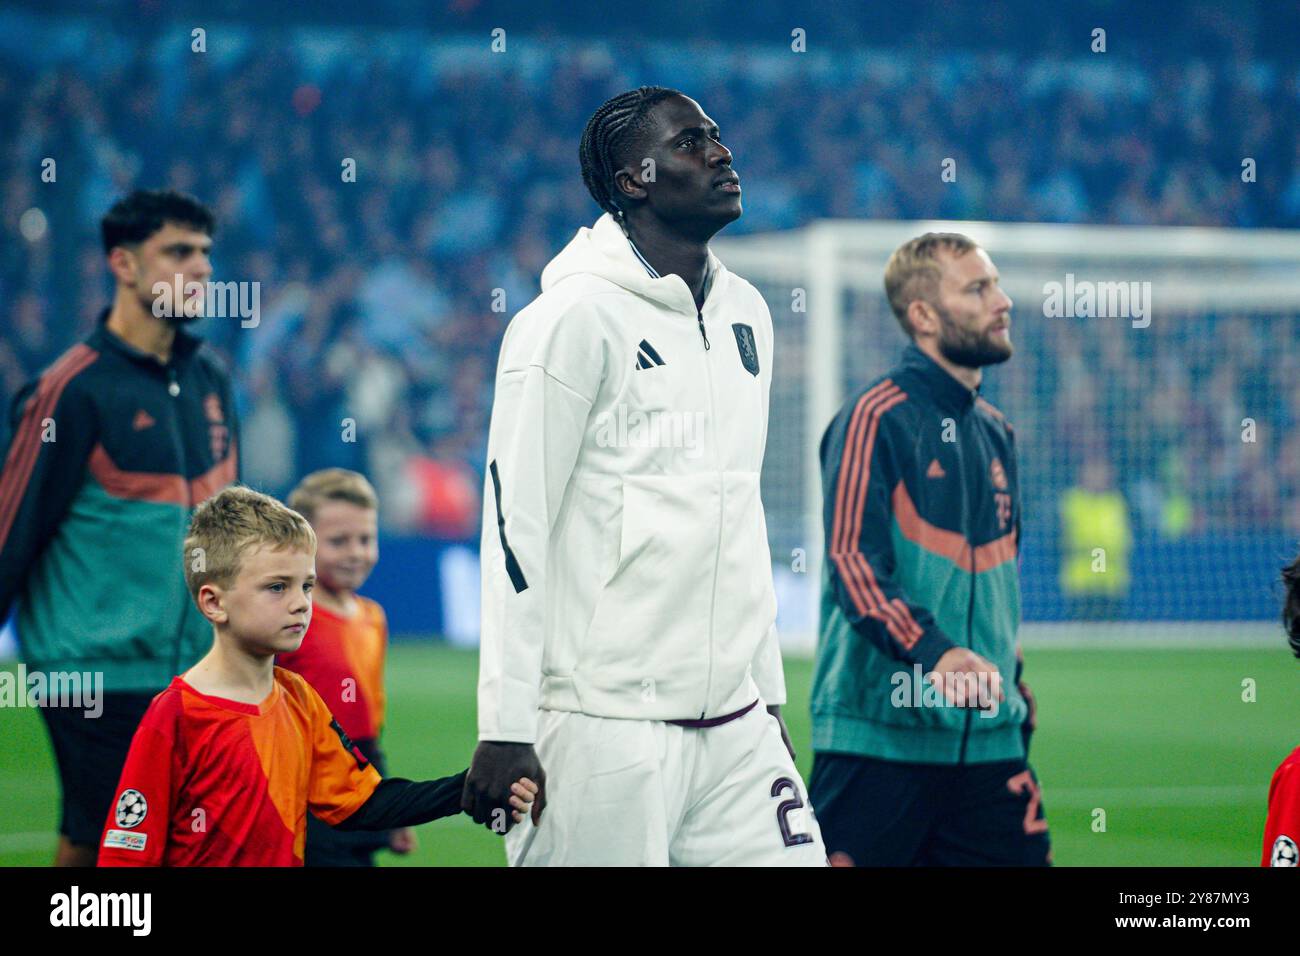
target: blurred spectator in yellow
<point>1096,539</point>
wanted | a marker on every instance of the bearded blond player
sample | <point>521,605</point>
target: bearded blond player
<point>922,519</point>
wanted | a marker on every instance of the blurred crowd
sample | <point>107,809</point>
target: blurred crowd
<point>1195,420</point>
<point>384,300</point>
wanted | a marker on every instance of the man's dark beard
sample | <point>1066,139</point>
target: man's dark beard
<point>968,349</point>
<point>177,320</point>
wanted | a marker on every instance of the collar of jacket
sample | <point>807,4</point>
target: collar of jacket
<point>709,269</point>
<point>605,251</point>
<point>947,391</point>
<point>183,346</point>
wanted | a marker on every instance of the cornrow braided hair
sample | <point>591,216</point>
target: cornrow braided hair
<point>617,123</point>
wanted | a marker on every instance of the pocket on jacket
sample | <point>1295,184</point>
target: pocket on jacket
<point>648,635</point>
<point>746,604</point>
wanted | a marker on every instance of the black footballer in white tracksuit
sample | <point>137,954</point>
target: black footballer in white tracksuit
<point>627,579</point>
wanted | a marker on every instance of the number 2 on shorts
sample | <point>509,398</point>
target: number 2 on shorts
<point>783,810</point>
<point>1018,785</point>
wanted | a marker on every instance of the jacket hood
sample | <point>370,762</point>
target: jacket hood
<point>603,250</point>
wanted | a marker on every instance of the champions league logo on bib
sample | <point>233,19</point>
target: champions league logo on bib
<point>748,350</point>
<point>131,809</point>
<point>1284,852</point>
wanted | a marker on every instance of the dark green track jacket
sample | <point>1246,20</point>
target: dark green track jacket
<point>922,520</point>
<point>111,451</point>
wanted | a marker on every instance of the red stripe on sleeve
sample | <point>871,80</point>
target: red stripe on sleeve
<point>26,444</point>
<point>854,479</point>
<point>850,468</point>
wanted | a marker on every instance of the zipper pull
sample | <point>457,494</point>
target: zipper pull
<point>700,318</point>
<point>173,386</point>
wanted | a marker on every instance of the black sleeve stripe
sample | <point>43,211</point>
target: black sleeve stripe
<point>348,745</point>
<point>512,563</point>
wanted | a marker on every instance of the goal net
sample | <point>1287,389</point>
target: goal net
<point>1155,392</point>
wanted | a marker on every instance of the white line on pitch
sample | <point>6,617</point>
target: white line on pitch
<point>22,842</point>
<point>1159,796</point>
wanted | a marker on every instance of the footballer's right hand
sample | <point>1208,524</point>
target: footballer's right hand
<point>968,680</point>
<point>488,787</point>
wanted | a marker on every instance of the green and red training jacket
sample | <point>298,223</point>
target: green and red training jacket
<point>922,521</point>
<point>111,451</point>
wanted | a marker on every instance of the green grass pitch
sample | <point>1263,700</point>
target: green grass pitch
<point>1159,739</point>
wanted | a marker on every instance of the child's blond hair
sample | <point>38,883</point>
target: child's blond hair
<point>332,484</point>
<point>229,525</point>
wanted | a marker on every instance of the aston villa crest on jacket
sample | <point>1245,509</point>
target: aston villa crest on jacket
<point>748,350</point>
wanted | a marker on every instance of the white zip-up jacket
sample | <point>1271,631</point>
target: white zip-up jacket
<point>626,569</point>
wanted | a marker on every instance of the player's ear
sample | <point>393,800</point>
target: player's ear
<point>922,318</point>
<point>628,183</point>
<point>211,603</point>
<point>124,265</point>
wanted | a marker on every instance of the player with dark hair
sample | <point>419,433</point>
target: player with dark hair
<point>920,722</point>
<point>629,642</point>
<point>146,212</point>
<point>618,123</point>
<point>1282,828</point>
<point>113,445</point>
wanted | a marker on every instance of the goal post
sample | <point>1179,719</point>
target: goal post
<point>1170,355</point>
